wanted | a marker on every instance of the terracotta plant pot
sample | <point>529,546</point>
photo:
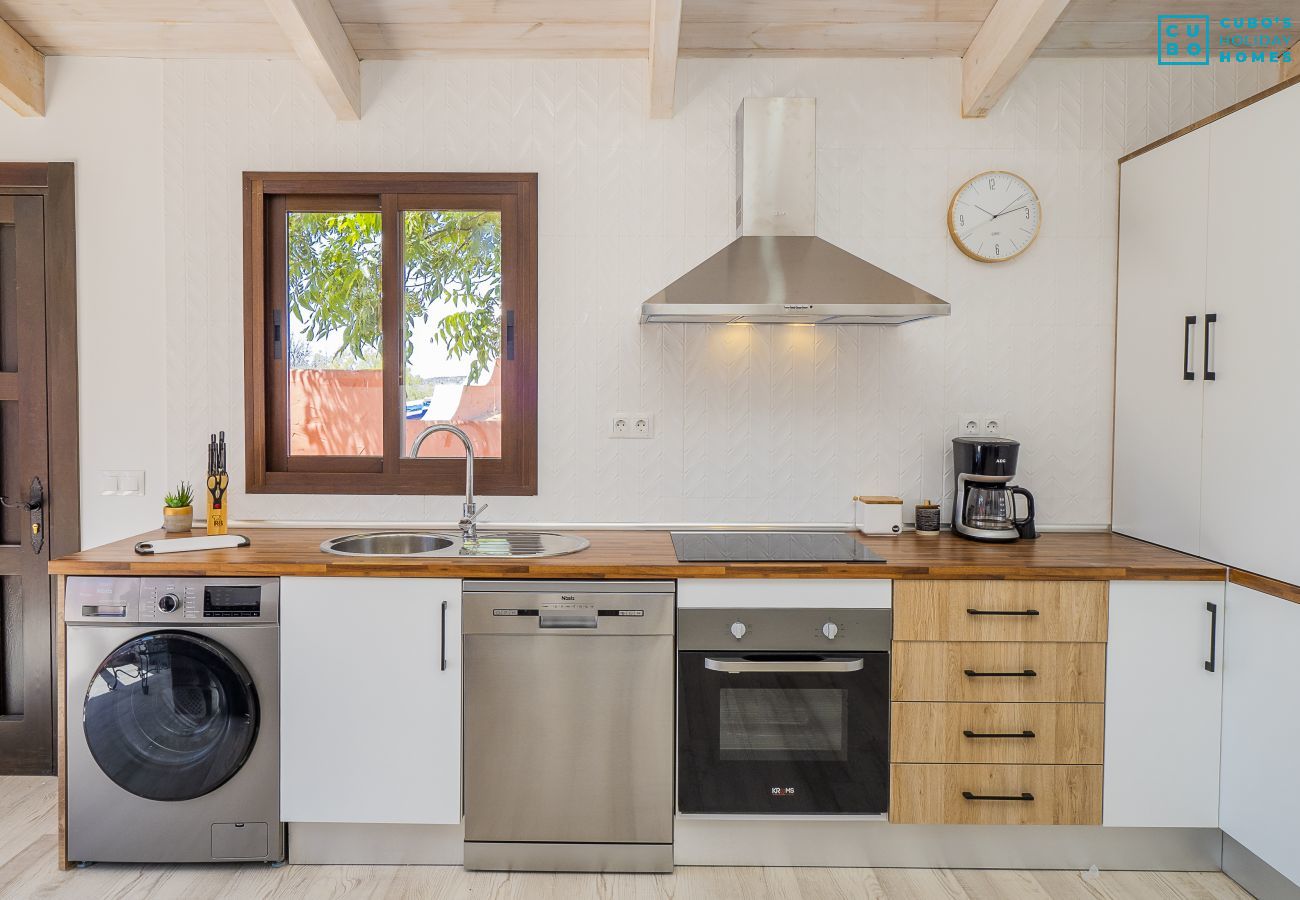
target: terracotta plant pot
<point>178,519</point>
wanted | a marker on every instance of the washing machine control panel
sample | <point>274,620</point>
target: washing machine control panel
<point>232,601</point>
<point>183,601</point>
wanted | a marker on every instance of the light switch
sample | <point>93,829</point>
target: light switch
<point>121,482</point>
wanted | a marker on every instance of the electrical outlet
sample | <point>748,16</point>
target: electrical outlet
<point>969,424</point>
<point>632,425</point>
<point>993,425</point>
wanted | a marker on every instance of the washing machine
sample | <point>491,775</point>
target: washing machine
<point>173,716</point>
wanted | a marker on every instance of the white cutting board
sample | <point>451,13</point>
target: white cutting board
<point>203,542</point>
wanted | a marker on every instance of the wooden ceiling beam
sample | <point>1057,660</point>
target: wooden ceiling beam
<point>1290,68</point>
<point>313,30</point>
<point>1002,46</point>
<point>22,73</point>
<point>665,38</point>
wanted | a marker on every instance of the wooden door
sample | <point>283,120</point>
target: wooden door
<point>1252,400</point>
<point>1161,313</point>
<point>26,712</point>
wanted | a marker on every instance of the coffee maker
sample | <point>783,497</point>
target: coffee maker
<point>983,505</point>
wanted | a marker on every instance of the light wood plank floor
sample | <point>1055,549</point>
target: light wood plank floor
<point>28,836</point>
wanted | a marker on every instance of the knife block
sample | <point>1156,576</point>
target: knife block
<point>216,514</point>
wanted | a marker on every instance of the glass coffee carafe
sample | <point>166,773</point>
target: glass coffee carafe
<point>993,507</point>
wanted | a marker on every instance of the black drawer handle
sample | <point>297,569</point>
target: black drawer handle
<point>1027,673</point>
<point>1188,324</point>
<point>1002,612</point>
<point>1026,796</point>
<point>999,734</point>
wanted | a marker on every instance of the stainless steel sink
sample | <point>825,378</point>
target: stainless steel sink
<point>490,544</point>
<point>388,543</point>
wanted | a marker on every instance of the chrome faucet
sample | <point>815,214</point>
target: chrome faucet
<point>468,526</point>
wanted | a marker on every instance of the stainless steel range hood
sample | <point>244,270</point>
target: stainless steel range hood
<point>776,271</point>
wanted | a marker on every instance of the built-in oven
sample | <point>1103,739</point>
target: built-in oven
<point>783,711</point>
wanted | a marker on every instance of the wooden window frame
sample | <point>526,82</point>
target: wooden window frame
<point>271,470</point>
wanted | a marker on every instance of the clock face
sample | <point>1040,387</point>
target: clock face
<point>994,217</point>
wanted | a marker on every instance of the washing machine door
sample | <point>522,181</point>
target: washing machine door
<point>171,715</point>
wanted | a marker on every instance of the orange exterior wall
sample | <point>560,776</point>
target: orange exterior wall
<point>335,412</point>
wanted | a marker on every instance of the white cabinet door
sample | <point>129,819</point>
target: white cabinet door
<point>370,722</point>
<point>1261,727</point>
<point>1252,407</point>
<point>1163,705</point>
<point>1161,285</point>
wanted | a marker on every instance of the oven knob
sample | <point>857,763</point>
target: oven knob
<point>830,629</point>
<point>168,602</point>
<point>738,630</point>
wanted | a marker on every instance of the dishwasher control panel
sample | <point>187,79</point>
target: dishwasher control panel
<point>529,607</point>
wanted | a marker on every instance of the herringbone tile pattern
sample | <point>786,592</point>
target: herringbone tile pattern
<point>754,423</point>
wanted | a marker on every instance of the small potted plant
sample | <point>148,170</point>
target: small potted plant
<point>178,511</point>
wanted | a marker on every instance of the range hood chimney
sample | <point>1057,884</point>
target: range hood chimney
<point>777,271</point>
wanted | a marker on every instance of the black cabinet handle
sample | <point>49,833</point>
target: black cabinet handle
<point>1002,612</point>
<point>1026,796</point>
<point>999,734</point>
<point>1027,673</point>
<point>1210,320</point>
<point>510,334</point>
<point>444,635</point>
<point>1188,324</point>
<point>1213,610</point>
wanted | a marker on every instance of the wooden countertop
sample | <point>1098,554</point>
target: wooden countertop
<point>649,554</point>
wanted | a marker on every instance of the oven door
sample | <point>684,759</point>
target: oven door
<point>783,733</point>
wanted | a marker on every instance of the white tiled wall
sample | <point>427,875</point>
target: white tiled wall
<point>753,423</point>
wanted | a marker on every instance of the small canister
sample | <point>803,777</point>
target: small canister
<point>927,518</point>
<point>878,515</point>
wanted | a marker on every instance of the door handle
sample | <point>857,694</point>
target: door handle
<point>444,635</point>
<point>35,506</point>
<point>739,665</point>
<point>1002,612</point>
<point>1026,796</point>
<point>1213,610</point>
<point>1210,320</point>
<point>996,734</point>
<point>1188,324</point>
<point>1027,673</point>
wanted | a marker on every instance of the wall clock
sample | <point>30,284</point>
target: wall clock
<point>994,217</point>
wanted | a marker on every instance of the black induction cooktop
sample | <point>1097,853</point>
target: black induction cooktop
<point>771,546</point>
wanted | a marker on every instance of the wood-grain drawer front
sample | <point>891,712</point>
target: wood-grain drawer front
<point>995,795</point>
<point>973,672</point>
<point>1000,611</point>
<point>1044,733</point>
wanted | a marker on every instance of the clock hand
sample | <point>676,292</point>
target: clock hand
<point>1008,206</point>
<point>986,212</point>
<point>1009,211</point>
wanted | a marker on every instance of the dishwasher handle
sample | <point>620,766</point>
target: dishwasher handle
<point>566,618</point>
<point>738,665</point>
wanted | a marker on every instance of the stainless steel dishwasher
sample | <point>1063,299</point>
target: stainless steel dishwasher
<point>569,725</point>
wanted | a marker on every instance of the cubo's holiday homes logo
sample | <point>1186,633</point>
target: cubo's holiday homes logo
<point>1183,40</point>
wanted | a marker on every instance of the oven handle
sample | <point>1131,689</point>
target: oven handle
<point>734,665</point>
